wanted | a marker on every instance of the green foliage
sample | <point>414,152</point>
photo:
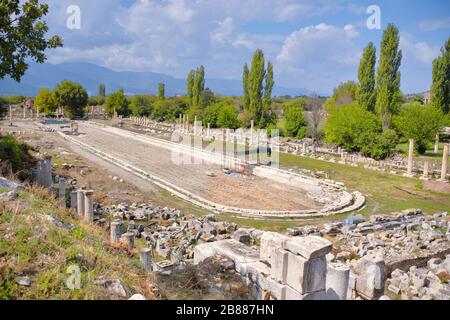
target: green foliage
<point>190,87</point>
<point>295,123</point>
<point>228,117</point>
<point>45,101</point>
<point>3,107</point>
<point>211,114</point>
<point>22,38</point>
<point>419,122</point>
<point>255,84</point>
<point>72,96</point>
<point>207,97</point>
<point>246,98</point>
<point>343,94</point>
<point>15,152</point>
<point>388,76</point>
<point>198,87</point>
<point>140,106</point>
<point>118,102</point>
<point>365,94</point>
<point>161,91</point>
<point>102,91</point>
<point>357,129</point>
<point>245,118</point>
<point>440,89</point>
<point>14,99</point>
<point>161,110</point>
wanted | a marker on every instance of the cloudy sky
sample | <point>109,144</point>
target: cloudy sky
<point>313,44</point>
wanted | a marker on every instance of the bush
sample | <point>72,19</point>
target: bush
<point>45,101</point>
<point>359,130</point>
<point>3,107</point>
<point>15,153</point>
<point>295,122</point>
<point>419,122</point>
<point>228,117</point>
<point>140,106</point>
<point>117,101</point>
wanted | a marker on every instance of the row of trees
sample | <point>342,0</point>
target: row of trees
<point>70,95</point>
<point>371,116</point>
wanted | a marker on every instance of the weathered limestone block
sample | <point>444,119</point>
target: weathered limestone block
<point>270,241</point>
<point>279,265</point>
<point>371,277</point>
<point>337,282</point>
<point>304,275</point>
<point>115,231</point>
<point>243,236</point>
<point>308,247</point>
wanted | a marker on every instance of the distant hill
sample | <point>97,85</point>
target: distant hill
<point>91,76</point>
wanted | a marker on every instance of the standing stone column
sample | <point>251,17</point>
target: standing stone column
<point>338,276</point>
<point>436,143</point>
<point>129,238</point>
<point>115,231</point>
<point>444,163</point>
<point>425,170</point>
<point>145,256</point>
<point>195,125</point>
<point>62,188</point>
<point>252,127</point>
<point>80,202</point>
<point>208,134</point>
<point>73,199</point>
<point>187,123</point>
<point>410,157</point>
<point>89,206</point>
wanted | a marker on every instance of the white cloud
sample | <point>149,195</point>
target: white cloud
<point>433,25</point>
<point>320,55</point>
<point>417,51</point>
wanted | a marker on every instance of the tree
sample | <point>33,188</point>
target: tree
<point>388,76</point>
<point>296,125</point>
<point>255,84</point>
<point>268,116</point>
<point>22,37</point>
<point>118,102</point>
<point>199,86</point>
<point>246,98</point>
<point>228,117</point>
<point>102,90</point>
<point>211,114</point>
<point>140,106</point>
<point>357,129</point>
<point>316,114</point>
<point>440,88</point>
<point>45,101</point>
<point>190,87</point>
<point>208,97</point>
<point>3,106</point>
<point>419,122</point>
<point>343,94</point>
<point>72,96</point>
<point>365,94</point>
<point>161,91</point>
<point>161,110</point>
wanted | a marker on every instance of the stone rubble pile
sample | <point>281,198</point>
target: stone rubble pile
<point>430,283</point>
<point>170,234</point>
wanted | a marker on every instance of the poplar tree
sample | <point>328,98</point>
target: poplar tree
<point>440,88</point>
<point>161,91</point>
<point>388,76</point>
<point>365,94</point>
<point>199,87</point>
<point>190,86</point>
<point>246,98</point>
<point>255,84</point>
<point>102,90</point>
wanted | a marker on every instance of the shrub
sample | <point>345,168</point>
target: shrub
<point>228,117</point>
<point>419,122</point>
<point>295,122</point>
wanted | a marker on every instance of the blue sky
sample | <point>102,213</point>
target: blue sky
<point>313,44</point>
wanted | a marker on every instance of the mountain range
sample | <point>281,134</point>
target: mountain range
<point>90,76</point>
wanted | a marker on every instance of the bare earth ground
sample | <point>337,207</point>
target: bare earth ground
<point>252,193</point>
